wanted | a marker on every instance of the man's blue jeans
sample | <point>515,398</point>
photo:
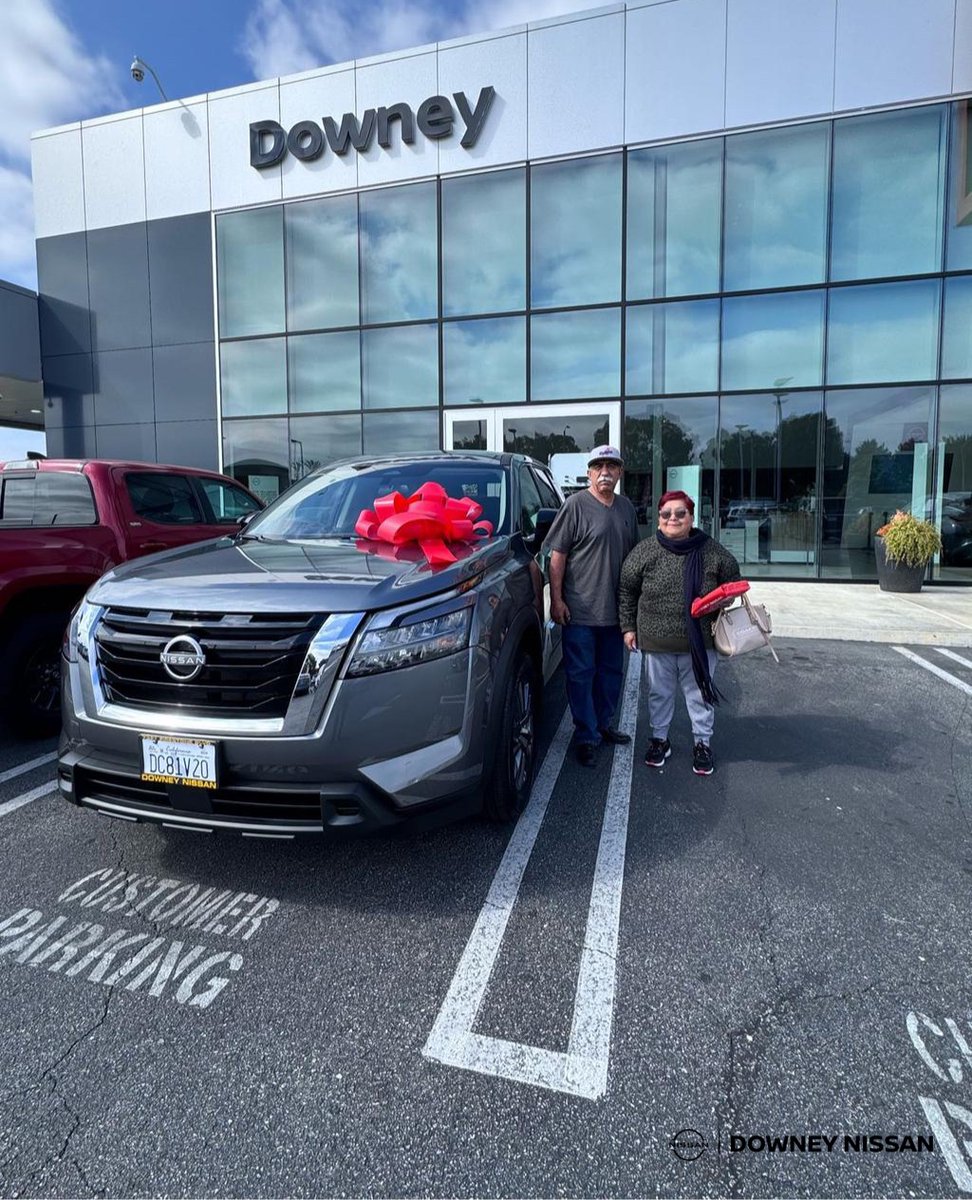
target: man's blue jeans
<point>594,666</point>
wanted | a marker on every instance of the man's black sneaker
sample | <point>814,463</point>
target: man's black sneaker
<point>615,737</point>
<point>587,754</point>
<point>702,761</point>
<point>658,750</point>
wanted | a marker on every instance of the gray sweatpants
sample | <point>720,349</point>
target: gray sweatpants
<point>668,672</point>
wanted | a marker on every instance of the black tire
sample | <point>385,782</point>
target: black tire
<point>512,751</point>
<point>30,675</point>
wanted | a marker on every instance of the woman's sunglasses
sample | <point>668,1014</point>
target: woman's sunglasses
<point>678,513</point>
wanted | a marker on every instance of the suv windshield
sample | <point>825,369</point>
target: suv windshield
<point>328,505</point>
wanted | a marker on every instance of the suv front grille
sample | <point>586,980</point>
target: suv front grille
<point>252,660</point>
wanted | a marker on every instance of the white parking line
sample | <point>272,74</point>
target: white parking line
<point>952,679</point>
<point>582,1071</point>
<point>966,662</point>
<point>8,806</point>
<point>34,763</point>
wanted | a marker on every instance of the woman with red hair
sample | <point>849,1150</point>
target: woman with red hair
<point>659,580</point>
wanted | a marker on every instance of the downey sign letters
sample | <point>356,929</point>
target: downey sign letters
<point>307,140</point>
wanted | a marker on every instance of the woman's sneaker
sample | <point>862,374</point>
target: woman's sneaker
<point>702,761</point>
<point>658,750</point>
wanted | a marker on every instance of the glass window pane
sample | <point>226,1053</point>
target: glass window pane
<point>575,225</point>
<point>485,361</point>
<point>484,243</point>
<point>575,355</point>
<point>250,271</point>
<point>322,263</point>
<point>325,372</point>
<point>888,194</point>
<point>674,220</point>
<point>164,499</point>
<point>468,435</point>
<point>253,377</point>
<point>400,367</point>
<point>884,332</point>
<point>228,503</point>
<point>957,336</point>
<point>62,499</point>
<point>672,348</point>
<point>406,432</point>
<point>398,254</point>
<point>255,453</point>
<point>770,341</point>
<point>318,441</point>
<point>955,483</point>
<point>666,445</point>
<point>18,500</point>
<point>543,437</point>
<point>776,208</point>
<point>768,489</point>
<point>959,253</point>
<point>876,460</point>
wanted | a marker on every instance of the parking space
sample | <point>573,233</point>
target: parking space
<point>779,951</point>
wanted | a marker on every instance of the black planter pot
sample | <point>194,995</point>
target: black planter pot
<point>896,576</point>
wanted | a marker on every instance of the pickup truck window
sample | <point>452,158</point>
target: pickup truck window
<point>165,499</point>
<point>48,498</point>
<point>228,503</point>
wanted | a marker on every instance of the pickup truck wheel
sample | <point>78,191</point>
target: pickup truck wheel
<point>510,774</point>
<point>30,675</point>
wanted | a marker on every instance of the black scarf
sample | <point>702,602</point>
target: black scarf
<point>691,548</point>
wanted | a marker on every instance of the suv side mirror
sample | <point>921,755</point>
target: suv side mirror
<point>244,520</point>
<point>545,518</point>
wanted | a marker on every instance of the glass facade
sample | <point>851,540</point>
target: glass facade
<point>784,316</point>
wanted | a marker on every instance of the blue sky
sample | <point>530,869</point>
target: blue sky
<point>65,60</point>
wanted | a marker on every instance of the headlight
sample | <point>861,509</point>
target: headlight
<point>78,632</point>
<point>418,641</point>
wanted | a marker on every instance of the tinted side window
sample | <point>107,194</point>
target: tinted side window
<point>227,503</point>
<point>64,500</point>
<point>165,499</point>
<point>530,502</point>
<point>18,500</point>
<point>548,494</point>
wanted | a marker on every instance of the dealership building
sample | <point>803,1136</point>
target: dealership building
<point>732,236</point>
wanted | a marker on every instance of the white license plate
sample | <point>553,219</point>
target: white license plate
<point>190,763</point>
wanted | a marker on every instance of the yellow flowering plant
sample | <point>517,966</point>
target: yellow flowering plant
<point>910,540</point>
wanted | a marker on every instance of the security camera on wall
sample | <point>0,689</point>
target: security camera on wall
<point>138,71</point>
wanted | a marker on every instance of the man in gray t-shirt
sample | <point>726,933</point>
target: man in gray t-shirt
<point>588,541</point>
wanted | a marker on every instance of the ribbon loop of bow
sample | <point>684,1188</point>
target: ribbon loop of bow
<point>429,517</point>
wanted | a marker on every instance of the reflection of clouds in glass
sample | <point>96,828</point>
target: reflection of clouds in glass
<point>883,332</point>
<point>325,372</point>
<point>253,377</point>
<point>575,355</point>
<point>776,208</point>
<point>400,367</point>
<point>484,243</point>
<point>398,254</point>
<point>673,348</point>
<point>888,194</point>
<point>575,218</point>
<point>485,361</point>
<point>254,441</point>
<point>765,338</point>
<point>322,263</point>
<point>249,265</point>
<point>957,340</point>
<point>322,440</point>
<point>393,432</point>
<point>689,180</point>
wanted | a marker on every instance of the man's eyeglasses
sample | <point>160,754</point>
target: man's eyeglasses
<point>678,513</point>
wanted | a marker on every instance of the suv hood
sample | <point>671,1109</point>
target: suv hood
<point>248,575</point>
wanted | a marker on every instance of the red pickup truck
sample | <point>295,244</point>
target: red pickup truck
<point>63,523</point>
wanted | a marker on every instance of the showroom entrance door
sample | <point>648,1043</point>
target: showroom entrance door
<point>541,430</point>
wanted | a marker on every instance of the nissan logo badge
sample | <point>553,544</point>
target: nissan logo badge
<point>183,658</point>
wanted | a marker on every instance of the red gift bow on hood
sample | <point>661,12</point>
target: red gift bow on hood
<point>429,517</point>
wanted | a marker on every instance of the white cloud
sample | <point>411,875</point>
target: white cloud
<point>17,262</point>
<point>283,37</point>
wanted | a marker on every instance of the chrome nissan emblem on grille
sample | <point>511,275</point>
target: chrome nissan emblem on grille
<point>183,658</point>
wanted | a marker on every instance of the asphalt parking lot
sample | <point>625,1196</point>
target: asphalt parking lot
<point>780,951</point>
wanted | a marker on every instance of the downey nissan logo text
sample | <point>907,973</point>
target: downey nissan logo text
<point>307,140</point>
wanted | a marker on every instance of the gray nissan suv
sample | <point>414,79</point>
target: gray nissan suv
<point>297,678</point>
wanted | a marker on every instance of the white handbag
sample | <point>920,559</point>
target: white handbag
<point>739,630</point>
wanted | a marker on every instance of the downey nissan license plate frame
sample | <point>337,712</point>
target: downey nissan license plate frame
<point>186,762</point>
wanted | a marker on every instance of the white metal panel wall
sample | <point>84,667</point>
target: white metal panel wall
<point>177,159</point>
<point>114,171</point>
<point>58,182</point>
<point>234,181</point>
<point>470,66</point>
<point>329,93</point>
<point>395,80</point>
<point>962,55</point>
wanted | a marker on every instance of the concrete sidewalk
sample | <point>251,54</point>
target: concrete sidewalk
<point>861,612</point>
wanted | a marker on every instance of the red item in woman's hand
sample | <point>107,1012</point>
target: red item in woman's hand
<point>720,597</point>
